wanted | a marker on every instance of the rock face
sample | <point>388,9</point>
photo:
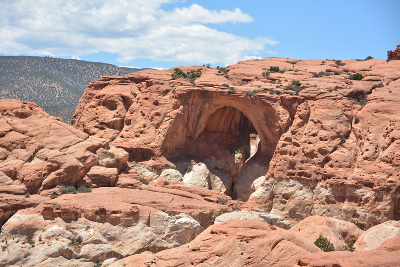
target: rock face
<point>106,223</point>
<point>386,255</point>
<point>232,243</point>
<point>328,142</point>
<point>394,54</point>
<point>286,139</point>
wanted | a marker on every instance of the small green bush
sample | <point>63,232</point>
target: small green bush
<point>324,244</point>
<point>339,63</point>
<point>222,200</point>
<point>112,138</point>
<point>231,90</point>
<point>296,83</point>
<point>27,195</point>
<point>134,94</point>
<point>266,74</point>
<point>356,119</point>
<point>144,181</point>
<point>67,190</point>
<point>223,70</point>
<point>31,242</point>
<point>274,69</point>
<point>368,58</point>
<point>250,93</point>
<point>294,88</point>
<point>83,189</point>
<point>350,245</point>
<point>225,85</point>
<point>357,76</point>
<point>377,86</point>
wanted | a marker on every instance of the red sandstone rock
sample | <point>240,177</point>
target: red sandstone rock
<point>387,255</point>
<point>233,243</point>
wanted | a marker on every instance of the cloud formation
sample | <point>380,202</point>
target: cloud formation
<point>130,28</point>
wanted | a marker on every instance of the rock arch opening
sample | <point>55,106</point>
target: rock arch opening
<point>225,141</point>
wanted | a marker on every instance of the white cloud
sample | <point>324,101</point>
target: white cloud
<point>130,28</point>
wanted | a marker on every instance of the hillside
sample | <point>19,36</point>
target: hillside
<point>53,83</point>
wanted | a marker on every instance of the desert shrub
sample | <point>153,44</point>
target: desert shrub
<point>27,195</point>
<point>266,74</point>
<point>368,58</point>
<point>83,189</point>
<point>329,70</point>
<point>191,76</point>
<point>77,241</point>
<point>336,72</point>
<point>356,119</point>
<point>250,93</point>
<point>296,83</point>
<point>231,90</point>
<point>274,69</point>
<point>294,88</point>
<point>324,244</point>
<point>357,76</point>
<point>320,74</point>
<point>54,196</point>
<point>223,70</point>
<point>67,190</point>
<point>144,181</point>
<point>134,94</point>
<point>273,92</point>
<point>222,200</point>
<point>225,85</point>
<point>31,242</point>
<point>377,86</point>
<point>350,245</point>
<point>339,63</point>
<point>112,138</point>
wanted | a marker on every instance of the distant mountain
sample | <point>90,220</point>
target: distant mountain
<point>55,84</point>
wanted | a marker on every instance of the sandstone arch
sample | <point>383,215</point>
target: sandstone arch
<point>209,128</point>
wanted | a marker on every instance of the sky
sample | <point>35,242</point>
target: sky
<point>169,33</point>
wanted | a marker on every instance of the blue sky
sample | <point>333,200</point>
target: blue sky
<point>168,33</point>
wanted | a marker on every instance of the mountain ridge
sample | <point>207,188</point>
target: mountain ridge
<point>55,84</point>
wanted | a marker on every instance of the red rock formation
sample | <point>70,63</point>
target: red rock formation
<point>394,54</point>
<point>318,149</point>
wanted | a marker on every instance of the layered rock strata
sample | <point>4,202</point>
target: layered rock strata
<point>328,137</point>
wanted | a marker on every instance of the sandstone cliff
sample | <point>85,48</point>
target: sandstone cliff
<point>282,140</point>
<point>327,131</point>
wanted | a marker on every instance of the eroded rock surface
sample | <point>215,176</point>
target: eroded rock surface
<point>104,224</point>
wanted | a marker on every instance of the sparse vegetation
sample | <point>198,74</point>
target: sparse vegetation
<point>191,76</point>
<point>274,69</point>
<point>357,76</point>
<point>68,190</point>
<point>320,74</point>
<point>377,86</point>
<point>134,94</point>
<point>251,93</point>
<point>356,119</point>
<point>27,195</point>
<point>112,138</point>
<point>54,84</point>
<point>324,244</point>
<point>222,200</point>
<point>350,245</point>
<point>339,63</point>
<point>231,90</point>
<point>266,74</point>
<point>368,58</point>
<point>144,181</point>
<point>223,70</point>
<point>31,242</point>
